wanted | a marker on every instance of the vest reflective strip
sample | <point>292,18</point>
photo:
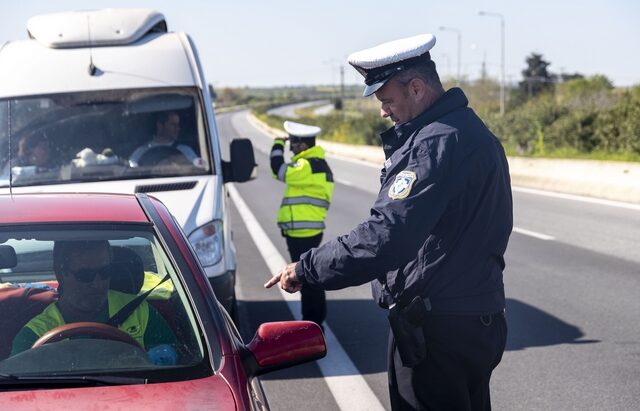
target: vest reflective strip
<point>282,172</point>
<point>299,225</point>
<point>277,153</point>
<point>305,200</point>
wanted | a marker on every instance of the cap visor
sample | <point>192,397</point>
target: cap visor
<point>369,90</point>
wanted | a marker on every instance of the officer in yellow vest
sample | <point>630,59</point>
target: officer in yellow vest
<point>83,272</point>
<point>309,187</point>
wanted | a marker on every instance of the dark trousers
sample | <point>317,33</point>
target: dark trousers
<point>314,304</point>
<point>462,351</point>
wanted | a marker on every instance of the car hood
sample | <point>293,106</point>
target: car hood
<point>192,200</point>
<point>211,393</point>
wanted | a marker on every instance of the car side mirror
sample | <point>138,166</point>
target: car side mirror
<point>242,166</point>
<point>8,258</point>
<point>283,344</point>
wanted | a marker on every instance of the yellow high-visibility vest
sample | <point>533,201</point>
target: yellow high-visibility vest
<point>135,325</point>
<point>307,196</point>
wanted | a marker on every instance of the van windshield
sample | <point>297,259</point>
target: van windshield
<point>102,135</point>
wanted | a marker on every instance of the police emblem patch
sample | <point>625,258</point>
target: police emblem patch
<point>401,187</point>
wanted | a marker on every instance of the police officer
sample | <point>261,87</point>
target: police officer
<point>309,187</point>
<point>433,245</point>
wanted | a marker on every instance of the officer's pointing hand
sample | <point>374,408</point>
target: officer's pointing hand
<point>287,279</point>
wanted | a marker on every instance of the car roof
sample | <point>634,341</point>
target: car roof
<point>72,207</point>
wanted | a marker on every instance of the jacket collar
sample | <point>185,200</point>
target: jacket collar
<point>394,137</point>
<point>315,151</point>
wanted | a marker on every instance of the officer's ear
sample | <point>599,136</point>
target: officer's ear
<point>417,89</point>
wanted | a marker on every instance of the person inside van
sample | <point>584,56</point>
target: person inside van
<point>34,150</point>
<point>164,143</point>
<point>34,155</point>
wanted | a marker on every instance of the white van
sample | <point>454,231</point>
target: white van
<point>110,101</point>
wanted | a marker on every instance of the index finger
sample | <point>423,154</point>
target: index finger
<point>273,281</point>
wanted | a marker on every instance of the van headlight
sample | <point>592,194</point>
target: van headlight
<point>207,243</point>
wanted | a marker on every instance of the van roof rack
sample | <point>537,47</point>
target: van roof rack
<point>95,28</point>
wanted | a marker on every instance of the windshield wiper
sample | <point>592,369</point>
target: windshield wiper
<point>75,380</point>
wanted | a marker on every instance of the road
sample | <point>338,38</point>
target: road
<point>573,298</point>
<point>289,110</point>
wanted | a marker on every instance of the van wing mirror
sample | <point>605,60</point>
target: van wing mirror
<point>242,166</point>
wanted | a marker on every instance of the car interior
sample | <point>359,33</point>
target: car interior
<point>138,267</point>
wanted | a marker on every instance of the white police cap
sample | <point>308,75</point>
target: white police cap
<point>301,130</point>
<point>378,64</point>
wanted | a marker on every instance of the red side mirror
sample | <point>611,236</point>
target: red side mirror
<point>283,344</point>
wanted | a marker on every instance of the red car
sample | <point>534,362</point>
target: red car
<point>104,305</point>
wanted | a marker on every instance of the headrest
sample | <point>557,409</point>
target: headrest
<point>127,270</point>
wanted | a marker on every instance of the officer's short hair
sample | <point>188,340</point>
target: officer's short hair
<point>425,71</point>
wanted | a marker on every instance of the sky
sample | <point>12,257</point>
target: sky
<point>265,43</point>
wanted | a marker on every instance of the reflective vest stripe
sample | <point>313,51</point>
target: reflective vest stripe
<point>299,225</point>
<point>305,200</point>
<point>282,172</point>
<point>277,152</point>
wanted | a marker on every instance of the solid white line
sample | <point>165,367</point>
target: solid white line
<point>575,197</point>
<point>344,182</point>
<point>532,234</point>
<point>348,387</point>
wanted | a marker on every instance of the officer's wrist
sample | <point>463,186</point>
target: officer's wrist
<point>299,270</point>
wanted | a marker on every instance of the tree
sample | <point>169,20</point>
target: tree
<point>536,77</point>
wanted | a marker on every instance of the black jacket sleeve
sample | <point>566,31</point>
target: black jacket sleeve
<point>277,157</point>
<point>395,230</point>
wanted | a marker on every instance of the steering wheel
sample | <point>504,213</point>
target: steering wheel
<point>163,155</point>
<point>87,329</point>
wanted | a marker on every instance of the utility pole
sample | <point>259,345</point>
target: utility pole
<point>501,17</point>
<point>342,82</point>
<point>459,48</point>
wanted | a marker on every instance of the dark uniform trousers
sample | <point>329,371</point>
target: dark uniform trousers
<point>314,304</point>
<point>462,351</point>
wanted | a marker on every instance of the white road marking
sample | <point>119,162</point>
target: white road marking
<point>343,182</point>
<point>348,387</point>
<point>575,197</point>
<point>532,234</point>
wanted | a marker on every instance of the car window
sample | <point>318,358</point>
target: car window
<point>102,135</point>
<point>56,279</point>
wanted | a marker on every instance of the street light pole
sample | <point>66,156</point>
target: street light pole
<point>459,44</point>
<point>501,17</point>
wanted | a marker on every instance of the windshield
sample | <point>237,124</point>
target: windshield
<point>102,135</point>
<point>69,305</point>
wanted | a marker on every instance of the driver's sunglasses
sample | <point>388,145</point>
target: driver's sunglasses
<point>87,275</point>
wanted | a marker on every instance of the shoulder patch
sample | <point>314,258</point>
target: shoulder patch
<point>401,187</point>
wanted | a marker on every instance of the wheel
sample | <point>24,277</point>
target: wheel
<point>164,156</point>
<point>87,329</point>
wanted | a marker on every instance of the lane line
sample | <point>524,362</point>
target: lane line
<point>349,388</point>
<point>343,182</point>
<point>575,197</point>
<point>533,234</point>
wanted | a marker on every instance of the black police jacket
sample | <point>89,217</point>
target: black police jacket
<point>440,225</point>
